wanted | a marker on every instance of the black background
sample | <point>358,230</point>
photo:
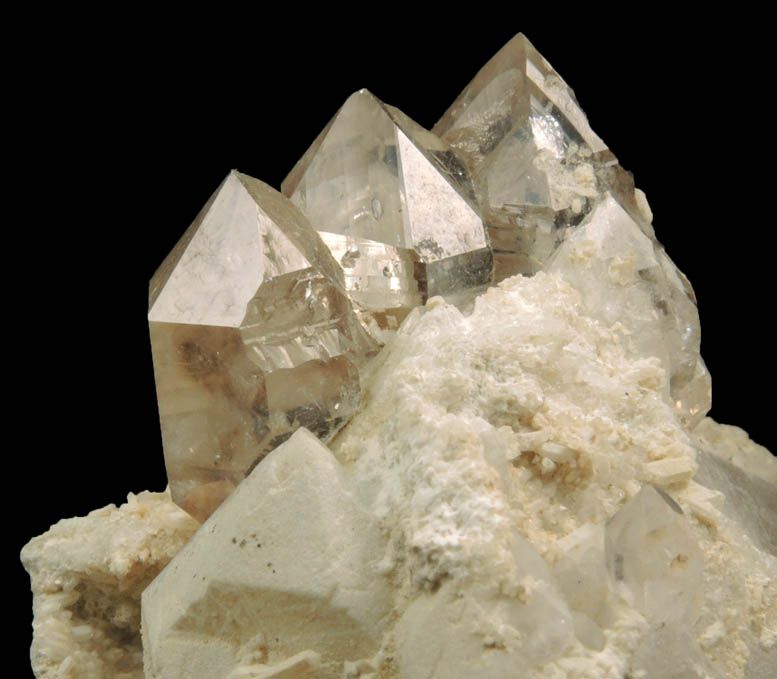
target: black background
<point>126,129</point>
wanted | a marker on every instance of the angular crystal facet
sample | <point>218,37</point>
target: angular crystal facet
<point>537,165</point>
<point>625,278</point>
<point>396,208</point>
<point>252,337</point>
<point>285,569</point>
<point>652,553</point>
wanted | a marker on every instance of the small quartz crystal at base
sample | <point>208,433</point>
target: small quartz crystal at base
<point>281,576</point>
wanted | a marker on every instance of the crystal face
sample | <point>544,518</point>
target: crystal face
<point>301,551</point>
<point>252,337</point>
<point>653,555</point>
<point>537,165</point>
<point>396,208</point>
<point>625,278</point>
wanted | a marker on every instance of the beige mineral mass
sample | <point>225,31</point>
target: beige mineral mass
<point>531,418</point>
<point>87,575</point>
<point>733,445</point>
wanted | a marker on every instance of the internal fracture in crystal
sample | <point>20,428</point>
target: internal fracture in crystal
<point>396,208</point>
<point>252,336</point>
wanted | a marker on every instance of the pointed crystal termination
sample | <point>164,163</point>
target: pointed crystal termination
<point>654,559</point>
<point>298,514</point>
<point>396,208</point>
<point>537,165</point>
<point>626,278</point>
<point>252,337</point>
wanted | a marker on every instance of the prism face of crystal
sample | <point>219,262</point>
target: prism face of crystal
<point>395,206</point>
<point>750,501</point>
<point>653,557</point>
<point>252,337</point>
<point>381,280</point>
<point>625,278</point>
<point>537,166</point>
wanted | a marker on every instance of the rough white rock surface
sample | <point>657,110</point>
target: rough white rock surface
<point>457,528</point>
<point>87,576</point>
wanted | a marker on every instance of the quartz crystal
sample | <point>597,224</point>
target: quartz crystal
<point>252,336</point>
<point>545,181</point>
<point>537,166</point>
<point>522,482</point>
<point>651,551</point>
<point>283,574</point>
<point>626,280</point>
<point>396,208</point>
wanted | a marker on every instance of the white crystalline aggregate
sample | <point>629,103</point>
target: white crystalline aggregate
<point>530,419</point>
<point>456,528</point>
<point>87,575</point>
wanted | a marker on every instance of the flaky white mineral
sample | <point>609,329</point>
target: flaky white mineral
<point>521,484</point>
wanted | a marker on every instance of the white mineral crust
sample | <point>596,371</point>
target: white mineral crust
<point>517,497</point>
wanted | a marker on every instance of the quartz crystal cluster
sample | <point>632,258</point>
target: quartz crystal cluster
<point>439,408</point>
<point>269,308</point>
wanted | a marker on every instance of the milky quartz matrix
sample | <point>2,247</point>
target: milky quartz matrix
<point>435,410</point>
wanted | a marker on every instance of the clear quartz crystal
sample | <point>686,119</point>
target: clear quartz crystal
<point>537,166</point>
<point>396,208</point>
<point>627,280</point>
<point>252,337</point>
<point>545,181</point>
<point>653,558</point>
